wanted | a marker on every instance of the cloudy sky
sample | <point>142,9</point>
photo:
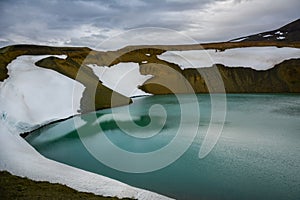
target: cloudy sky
<point>90,22</point>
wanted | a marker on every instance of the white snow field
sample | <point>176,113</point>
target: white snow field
<point>123,78</point>
<point>259,58</point>
<point>34,96</point>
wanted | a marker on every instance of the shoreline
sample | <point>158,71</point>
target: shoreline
<point>26,133</point>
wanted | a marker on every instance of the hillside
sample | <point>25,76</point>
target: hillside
<point>287,33</point>
<point>283,77</point>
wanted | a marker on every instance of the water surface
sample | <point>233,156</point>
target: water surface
<point>256,157</point>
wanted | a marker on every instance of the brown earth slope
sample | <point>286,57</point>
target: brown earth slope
<point>283,78</point>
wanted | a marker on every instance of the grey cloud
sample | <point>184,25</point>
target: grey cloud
<point>82,22</point>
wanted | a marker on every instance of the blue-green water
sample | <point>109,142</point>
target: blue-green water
<point>256,157</point>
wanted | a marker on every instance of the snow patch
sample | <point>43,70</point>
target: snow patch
<point>268,35</point>
<point>279,33</point>
<point>33,96</point>
<point>144,61</point>
<point>259,58</point>
<point>280,38</point>
<point>239,40</point>
<point>148,54</point>
<point>123,78</point>
<point>61,56</point>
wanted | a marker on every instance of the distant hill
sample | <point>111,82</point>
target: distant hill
<point>287,33</point>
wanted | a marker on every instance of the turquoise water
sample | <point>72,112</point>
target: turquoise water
<point>256,157</point>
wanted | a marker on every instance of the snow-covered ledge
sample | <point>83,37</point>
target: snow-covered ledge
<point>33,96</point>
<point>258,58</point>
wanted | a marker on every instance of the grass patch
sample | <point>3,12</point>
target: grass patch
<point>14,187</point>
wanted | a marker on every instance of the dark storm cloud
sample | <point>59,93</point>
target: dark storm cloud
<point>83,22</point>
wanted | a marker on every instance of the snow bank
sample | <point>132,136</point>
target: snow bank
<point>123,78</point>
<point>259,58</point>
<point>32,95</point>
